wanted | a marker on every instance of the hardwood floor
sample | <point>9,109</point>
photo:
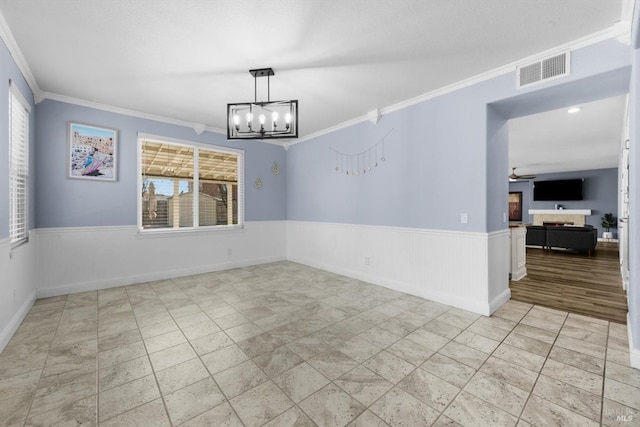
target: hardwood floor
<point>575,282</point>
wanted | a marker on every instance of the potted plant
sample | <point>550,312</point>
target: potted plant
<point>608,221</point>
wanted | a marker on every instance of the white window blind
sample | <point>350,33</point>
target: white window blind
<point>18,167</point>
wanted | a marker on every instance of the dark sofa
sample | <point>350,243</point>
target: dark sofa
<point>575,238</point>
<point>537,235</point>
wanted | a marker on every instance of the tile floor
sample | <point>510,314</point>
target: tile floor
<point>283,345</point>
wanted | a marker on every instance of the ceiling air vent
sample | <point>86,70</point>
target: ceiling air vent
<point>542,70</point>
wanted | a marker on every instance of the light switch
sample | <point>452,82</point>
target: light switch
<point>464,218</point>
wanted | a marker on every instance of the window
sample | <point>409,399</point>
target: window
<point>18,167</point>
<point>171,171</point>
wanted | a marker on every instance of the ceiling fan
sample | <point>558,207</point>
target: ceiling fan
<point>514,176</point>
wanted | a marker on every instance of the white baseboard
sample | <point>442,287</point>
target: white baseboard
<point>407,288</point>
<point>151,276</point>
<point>72,260</point>
<point>634,353</point>
<point>7,332</point>
<point>468,270</point>
<point>445,266</point>
<point>495,303</point>
<point>519,275</point>
<point>17,284</point>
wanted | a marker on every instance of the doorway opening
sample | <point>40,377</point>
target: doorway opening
<point>583,143</point>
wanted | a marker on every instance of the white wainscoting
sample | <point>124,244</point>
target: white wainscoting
<point>89,258</point>
<point>518,244</point>
<point>498,260</point>
<point>634,352</point>
<point>463,269</point>
<point>17,285</point>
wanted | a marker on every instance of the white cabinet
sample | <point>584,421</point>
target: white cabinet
<point>518,252</point>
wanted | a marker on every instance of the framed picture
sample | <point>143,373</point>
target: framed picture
<point>93,152</point>
<point>515,206</point>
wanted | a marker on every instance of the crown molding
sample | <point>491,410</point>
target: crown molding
<point>16,53</point>
<point>329,130</point>
<point>615,31</point>
<point>620,31</point>
<point>197,127</point>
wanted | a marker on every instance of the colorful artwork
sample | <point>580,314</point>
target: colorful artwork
<point>92,152</point>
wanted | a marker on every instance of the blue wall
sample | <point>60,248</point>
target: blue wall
<point>446,156</point>
<point>599,191</point>
<point>435,168</point>
<point>64,202</point>
<point>497,157</point>
<point>10,71</point>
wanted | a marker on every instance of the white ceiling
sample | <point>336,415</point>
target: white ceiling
<point>186,59</point>
<point>556,141</point>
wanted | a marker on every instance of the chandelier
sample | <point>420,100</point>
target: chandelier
<point>265,119</point>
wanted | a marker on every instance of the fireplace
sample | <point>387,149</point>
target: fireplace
<point>559,216</point>
<point>556,223</point>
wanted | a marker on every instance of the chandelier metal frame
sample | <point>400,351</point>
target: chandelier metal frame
<point>248,120</point>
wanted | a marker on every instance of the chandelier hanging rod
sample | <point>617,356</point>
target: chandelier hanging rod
<point>262,72</point>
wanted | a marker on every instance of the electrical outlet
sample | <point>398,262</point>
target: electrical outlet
<point>464,218</point>
<point>367,261</point>
<point>229,252</point>
<point>504,217</point>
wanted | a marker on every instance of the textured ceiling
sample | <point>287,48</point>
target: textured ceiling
<point>186,59</point>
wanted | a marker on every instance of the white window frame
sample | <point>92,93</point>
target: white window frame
<point>18,168</point>
<point>196,146</point>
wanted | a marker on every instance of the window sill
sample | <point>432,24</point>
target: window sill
<point>152,233</point>
<point>18,246</point>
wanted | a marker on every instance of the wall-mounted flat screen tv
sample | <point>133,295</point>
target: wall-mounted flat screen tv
<point>557,191</point>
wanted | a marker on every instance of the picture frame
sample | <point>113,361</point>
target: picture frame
<point>92,152</point>
<point>515,206</point>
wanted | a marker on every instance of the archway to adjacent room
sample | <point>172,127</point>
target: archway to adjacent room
<point>561,279</point>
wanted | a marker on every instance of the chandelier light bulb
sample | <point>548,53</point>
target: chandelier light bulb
<point>265,119</point>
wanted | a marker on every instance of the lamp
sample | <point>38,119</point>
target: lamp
<point>265,119</point>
